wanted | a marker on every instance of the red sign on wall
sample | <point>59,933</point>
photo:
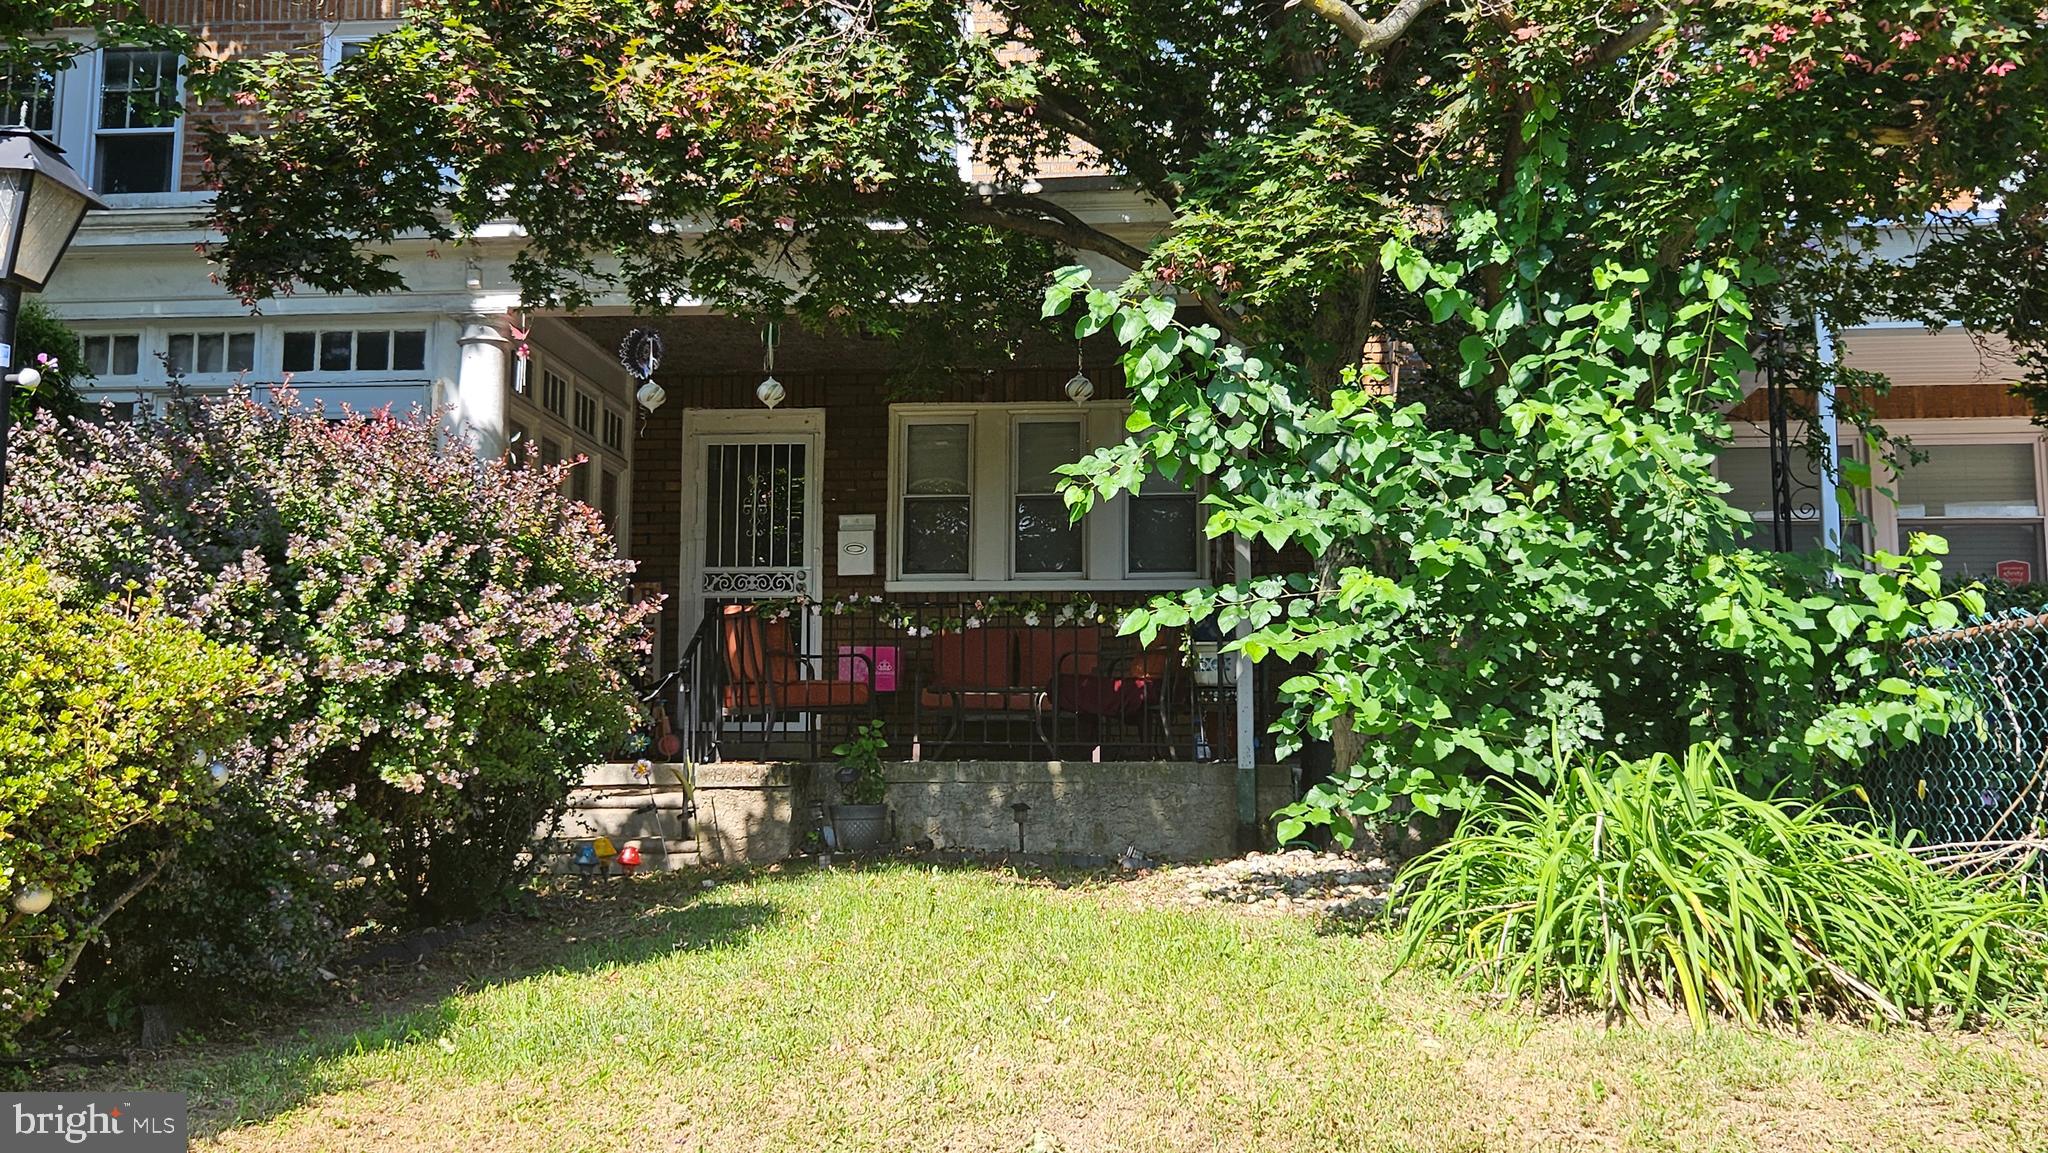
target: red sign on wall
<point>2015,572</point>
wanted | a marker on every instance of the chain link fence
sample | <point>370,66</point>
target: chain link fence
<point>1986,780</point>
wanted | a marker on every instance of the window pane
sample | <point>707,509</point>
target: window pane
<point>213,352</point>
<point>1048,539</point>
<point>1162,534</point>
<point>334,351</point>
<point>139,89</point>
<point>298,352</point>
<point>140,163</point>
<point>935,536</point>
<point>1975,548</point>
<point>28,101</point>
<point>1970,480</point>
<point>242,352</point>
<point>579,483</point>
<point>936,460</point>
<point>1041,447</point>
<point>181,353</point>
<point>409,350</point>
<point>373,351</point>
<point>97,350</point>
<point>127,356</point>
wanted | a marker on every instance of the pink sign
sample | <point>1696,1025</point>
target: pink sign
<point>2014,572</point>
<point>881,658</point>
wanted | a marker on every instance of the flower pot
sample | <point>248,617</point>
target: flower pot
<point>861,828</point>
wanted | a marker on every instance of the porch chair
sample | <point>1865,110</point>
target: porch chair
<point>974,676</point>
<point>767,675</point>
<point>1134,688</point>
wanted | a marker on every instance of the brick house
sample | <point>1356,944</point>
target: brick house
<point>918,533</point>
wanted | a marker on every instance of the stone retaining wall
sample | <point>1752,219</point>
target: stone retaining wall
<point>753,812</point>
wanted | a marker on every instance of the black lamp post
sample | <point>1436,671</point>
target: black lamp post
<point>42,203</point>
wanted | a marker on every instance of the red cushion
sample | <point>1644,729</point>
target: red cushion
<point>798,696</point>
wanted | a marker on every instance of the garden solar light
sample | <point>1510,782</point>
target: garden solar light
<point>42,203</point>
<point>629,858</point>
<point>1018,810</point>
<point>33,900</point>
<point>585,859</point>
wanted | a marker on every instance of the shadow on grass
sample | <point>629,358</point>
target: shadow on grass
<point>251,1078</point>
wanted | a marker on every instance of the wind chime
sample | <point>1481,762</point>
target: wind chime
<point>770,391</point>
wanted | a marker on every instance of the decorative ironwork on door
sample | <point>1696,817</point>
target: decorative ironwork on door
<point>756,525</point>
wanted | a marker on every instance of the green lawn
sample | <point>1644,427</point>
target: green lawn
<point>902,1009</point>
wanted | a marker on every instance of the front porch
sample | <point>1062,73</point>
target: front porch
<point>880,546</point>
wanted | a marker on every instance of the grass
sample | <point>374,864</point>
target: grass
<point>900,1008</point>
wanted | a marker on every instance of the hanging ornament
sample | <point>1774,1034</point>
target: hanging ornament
<point>1079,388</point>
<point>770,391</point>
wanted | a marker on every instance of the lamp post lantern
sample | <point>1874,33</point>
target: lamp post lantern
<point>42,203</point>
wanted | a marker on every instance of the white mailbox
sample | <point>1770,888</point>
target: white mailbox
<point>857,545</point>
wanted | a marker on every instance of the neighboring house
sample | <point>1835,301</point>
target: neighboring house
<point>941,584</point>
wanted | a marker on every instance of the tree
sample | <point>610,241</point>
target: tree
<point>1574,212</point>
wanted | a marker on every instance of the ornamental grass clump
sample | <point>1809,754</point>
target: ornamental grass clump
<point>1659,881</point>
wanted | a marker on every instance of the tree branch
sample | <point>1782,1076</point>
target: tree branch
<point>1036,216</point>
<point>1059,110</point>
<point>1624,42</point>
<point>87,935</point>
<point>1370,36</point>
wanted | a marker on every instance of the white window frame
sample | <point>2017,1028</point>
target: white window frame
<point>92,132</point>
<point>334,37</point>
<point>992,497</point>
<point>75,125</point>
<point>199,328</point>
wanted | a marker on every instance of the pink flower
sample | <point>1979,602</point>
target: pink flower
<point>2000,68</point>
<point>1907,36</point>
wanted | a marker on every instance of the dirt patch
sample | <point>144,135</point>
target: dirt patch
<point>1295,882</point>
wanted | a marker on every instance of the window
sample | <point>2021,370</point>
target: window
<point>1047,539</point>
<point>938,507</point>
<point>345,350</point>
<point>1160,534</point>
<point>579,483</point>
<point>135,142</point>
<point>349,40</point>
<point>1983,498</point>
<point>977,503</point>
<point>1747,472</point>
<point>29,101</point>
<point>608,500</point>
<point>554,393</point>
<point>614,430</point>
<point>212,352</point>
<point>550,452</point>
<point>586,412</point>
<point>112,355</point>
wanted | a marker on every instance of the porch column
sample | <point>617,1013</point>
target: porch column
<point>480,386</point>
<point>1247,716</point>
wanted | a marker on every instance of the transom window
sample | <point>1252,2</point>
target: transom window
<point>112,354</point>
<point>554,393</point>
<point>614,430</point>
<point>135,141</point>
<point>977,502</point>
<point>353,350</point>
<point>211,352</point>
<point>586,412</point>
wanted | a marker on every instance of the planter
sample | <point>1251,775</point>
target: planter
<point>861,828</point>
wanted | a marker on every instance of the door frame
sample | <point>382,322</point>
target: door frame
<point>706,425</point>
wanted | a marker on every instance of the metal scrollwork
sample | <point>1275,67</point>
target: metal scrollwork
<point>786,582</point>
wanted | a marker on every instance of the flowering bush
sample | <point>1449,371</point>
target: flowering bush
<point>452,634</point>
<point>107,711</point>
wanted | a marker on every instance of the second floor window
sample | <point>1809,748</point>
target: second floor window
<point>29,100</point>
<point>212,352</point>
<point>614,430</point>
<point>586,412</point>
<point>554,393</point>
<point>135,135</point>
<point>114,354</point>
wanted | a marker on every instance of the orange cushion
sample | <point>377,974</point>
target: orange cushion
<point>798,696</point>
